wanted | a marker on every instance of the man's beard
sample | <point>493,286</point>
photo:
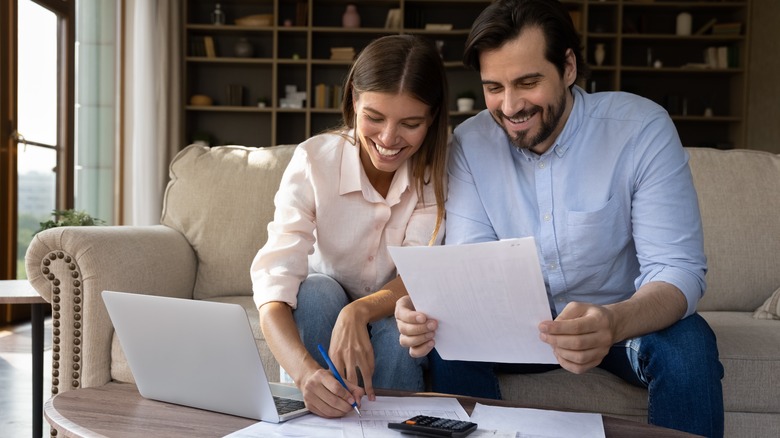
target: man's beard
<point>520,139</point>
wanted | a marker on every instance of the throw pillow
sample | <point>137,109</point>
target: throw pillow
<point>770,309</point>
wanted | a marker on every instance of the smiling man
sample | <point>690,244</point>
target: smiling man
<point>602,183</point>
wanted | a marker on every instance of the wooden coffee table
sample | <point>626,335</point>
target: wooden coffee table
<point>118,410</point>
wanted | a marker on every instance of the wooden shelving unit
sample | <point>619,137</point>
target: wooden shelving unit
<point>639,33</point>
<point>297,54</point>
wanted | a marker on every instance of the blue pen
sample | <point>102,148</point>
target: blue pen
<point>336,374</point>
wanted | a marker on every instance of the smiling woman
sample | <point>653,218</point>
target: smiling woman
<point>325,275</point>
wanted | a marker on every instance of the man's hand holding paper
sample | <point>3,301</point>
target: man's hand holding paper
<point>484,301</point>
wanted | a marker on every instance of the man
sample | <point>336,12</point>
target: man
<point>602,183</point>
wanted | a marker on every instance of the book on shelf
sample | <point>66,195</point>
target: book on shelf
<point>322,96</point>
<point>342,53</point>
<point>721,56</point>
<point>576,19</point>
<point>706,27</point>
<point>301,13</point>
<point>337,92</point>
<point>208,43</point>
<point>393,20</point>
<point>727,28</point>
<point>235,95</point>
<point>197,47</point>
<point>438,26</point>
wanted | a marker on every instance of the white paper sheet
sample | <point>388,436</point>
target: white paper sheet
<point>489,298</point>
<point>492,421</point>
<point>373,422</point>
<point>375,415</point>
<point>538,423</point>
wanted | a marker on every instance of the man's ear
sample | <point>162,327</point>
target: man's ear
<point>570,68</point>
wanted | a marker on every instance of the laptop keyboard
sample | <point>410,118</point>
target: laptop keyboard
<point>287,405</point>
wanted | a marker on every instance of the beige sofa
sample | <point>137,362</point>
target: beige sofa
<point>219,201</point>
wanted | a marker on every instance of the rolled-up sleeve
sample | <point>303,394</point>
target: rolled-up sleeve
<point>667,227</point>
<point>282,264</point>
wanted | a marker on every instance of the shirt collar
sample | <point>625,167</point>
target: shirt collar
<point>564,140</point>
<point>351,168</point>
<point>576,116</point>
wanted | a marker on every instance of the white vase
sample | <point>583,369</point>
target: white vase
<point>599,54</point>
<point>351,18</point>
<point>683,24</point>
<point>465,104</point>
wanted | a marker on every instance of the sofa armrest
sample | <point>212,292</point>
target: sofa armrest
<point>71,266</point>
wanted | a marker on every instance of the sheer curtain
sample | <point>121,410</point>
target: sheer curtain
<point>152,99</point>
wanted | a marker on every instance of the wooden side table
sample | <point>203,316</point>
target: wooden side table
<point>21,292</point>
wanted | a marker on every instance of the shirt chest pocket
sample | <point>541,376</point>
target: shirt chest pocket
<point>597,237</point>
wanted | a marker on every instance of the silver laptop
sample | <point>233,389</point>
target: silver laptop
<point>200,354</point>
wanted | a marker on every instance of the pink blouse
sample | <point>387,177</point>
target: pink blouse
<point>330,220</point>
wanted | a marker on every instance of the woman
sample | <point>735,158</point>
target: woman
<point>325,275</point>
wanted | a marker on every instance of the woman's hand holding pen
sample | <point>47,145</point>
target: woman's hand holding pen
<point>325,396</point>
<point>351,349</point>
<point>417,330</point>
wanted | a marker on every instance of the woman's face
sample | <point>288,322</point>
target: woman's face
<point>390,128</point>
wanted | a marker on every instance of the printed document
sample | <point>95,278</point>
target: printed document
<point>371,424</point>
<point>488,298</point>
<point>492,421</point>
<point>538,423</point>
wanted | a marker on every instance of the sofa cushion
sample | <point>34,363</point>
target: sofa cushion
<point>595,391</point>
<point>749,350</point>
<point>770,309</point>
<point>741,232</point>
<point>237,184</point>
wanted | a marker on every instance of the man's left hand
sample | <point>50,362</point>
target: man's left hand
<point>581,335</point>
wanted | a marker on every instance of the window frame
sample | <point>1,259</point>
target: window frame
<point>66,31</point>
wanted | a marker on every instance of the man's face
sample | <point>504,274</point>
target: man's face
<point>524,92</point>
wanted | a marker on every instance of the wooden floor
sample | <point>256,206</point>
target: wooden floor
<point>16,379</point>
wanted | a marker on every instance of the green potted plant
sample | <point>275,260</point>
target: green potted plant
<point>68,218</point>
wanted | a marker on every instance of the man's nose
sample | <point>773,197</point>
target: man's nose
<point>513,102</point>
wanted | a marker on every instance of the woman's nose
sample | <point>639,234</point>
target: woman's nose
<point>388,134</point>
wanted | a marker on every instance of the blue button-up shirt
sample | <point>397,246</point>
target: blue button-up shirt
<point>611,204</point>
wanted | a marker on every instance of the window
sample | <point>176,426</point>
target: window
<point>36,121</point>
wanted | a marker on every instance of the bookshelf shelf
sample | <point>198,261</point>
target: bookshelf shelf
<point>297,53</point>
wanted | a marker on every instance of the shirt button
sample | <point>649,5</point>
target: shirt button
<point>370,258</point>
<point>559,300</point>
<point>552,266</point>
<point>541,165</point>
<point>367,289</point>
<point>547,217</point>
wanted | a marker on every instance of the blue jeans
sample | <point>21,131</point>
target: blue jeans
<point>320,299</point>
<point>679,366</point>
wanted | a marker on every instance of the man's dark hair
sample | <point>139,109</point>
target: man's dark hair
<point>504,20</point>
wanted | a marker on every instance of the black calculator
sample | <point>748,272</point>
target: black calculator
<point>425,425</point>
